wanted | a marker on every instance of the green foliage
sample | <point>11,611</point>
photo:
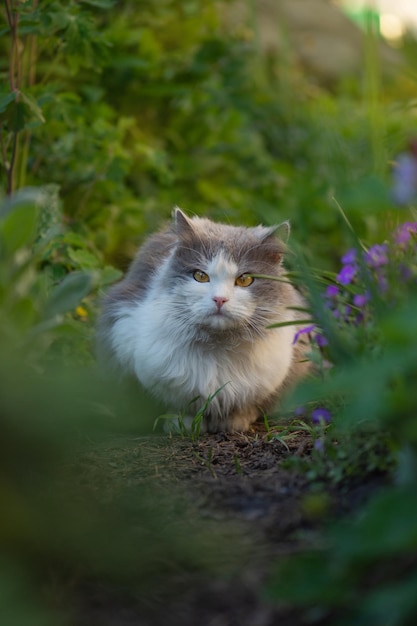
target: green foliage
<point>49,280</point>
<point>365,574</point>
<point>366,571</point>
<point>184,424</point>
<point>133,111</point>
<point>110,114</point>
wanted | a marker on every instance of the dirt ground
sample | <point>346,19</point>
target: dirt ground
<point>236,482</point>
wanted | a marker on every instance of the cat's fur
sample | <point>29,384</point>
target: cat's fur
<point>164,327</point>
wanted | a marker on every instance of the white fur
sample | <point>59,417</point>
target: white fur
<point>156,340</point>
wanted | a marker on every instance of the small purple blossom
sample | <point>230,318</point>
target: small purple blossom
<point>321,416</point>
<point>321,340</point>
<point>332,291</point>
<point>303,331</point>
<point>299,411</point>
<point>404,232</point>
<point>404,177</point>
<point>346,275</point>
<point>360,299</point>
<point>319,445</point>
<point>376,256</point>
<point>350,257</point>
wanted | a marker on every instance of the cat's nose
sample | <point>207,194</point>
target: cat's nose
<point>219,300</point>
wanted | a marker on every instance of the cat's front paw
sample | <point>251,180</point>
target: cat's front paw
<point>241,423</point>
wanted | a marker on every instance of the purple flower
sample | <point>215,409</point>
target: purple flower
<point>299,411</point>
<point>321,416</point>
<point>404,178</point>
<point>320,340</point>
<point>403,233</point>
<point>346,275</point>
<point>350,257</point>
<point>332,291</point>
<point>303,331</point>
<point>319,445</point>
<point>376,256</point>
<point>360,299</point>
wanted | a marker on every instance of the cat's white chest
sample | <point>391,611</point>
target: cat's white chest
<point>167,360</point>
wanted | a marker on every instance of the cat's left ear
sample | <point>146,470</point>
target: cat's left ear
<point>281,232</point>
<point>274,241</point>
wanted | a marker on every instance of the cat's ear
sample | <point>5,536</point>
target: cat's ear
<point>280,231</point>
<point>182,223</point>
<point>274,241</point>
<point>283,231</point>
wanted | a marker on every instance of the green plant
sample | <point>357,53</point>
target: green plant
<point>182,423</point>
<point>366,573</point>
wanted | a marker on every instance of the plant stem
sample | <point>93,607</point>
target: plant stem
<point>10,171</point>
<point>13,20</point>
<point>12,17</point>
<point>28,79</point>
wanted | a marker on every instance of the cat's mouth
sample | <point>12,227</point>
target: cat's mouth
<point>220,320</point>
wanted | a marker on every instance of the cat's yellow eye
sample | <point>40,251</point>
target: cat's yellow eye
<point>244,281</point>
<point>201,277</point>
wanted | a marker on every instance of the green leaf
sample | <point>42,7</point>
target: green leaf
<point>109,275</point>
<point>67,295</point>
<point>17,119</point>
<point>6,99</point>
<point>18,228</point>
<point>20,111</point>
<point>83,258</point>
<point>27,196</point>
<point>32,106</point>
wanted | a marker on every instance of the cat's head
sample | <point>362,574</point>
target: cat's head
<point>210,273</point>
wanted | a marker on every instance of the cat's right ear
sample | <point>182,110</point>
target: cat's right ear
<point>182,223</point>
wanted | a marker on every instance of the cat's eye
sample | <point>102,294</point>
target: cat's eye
<point>201,277</point>
<point>244,280</point>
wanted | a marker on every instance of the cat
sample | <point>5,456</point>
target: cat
<point>189,319</point>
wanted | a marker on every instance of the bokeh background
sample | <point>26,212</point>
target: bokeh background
<point>246,111</point>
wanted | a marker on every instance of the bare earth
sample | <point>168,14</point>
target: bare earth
<point>236,486</point>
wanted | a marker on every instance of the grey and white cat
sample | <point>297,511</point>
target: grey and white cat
<point>188,318</point>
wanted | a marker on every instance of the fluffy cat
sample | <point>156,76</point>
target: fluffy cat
<point>188,318</point>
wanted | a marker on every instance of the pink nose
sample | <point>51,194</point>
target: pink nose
<point>220,301</point>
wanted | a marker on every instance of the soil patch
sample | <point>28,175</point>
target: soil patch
<point>234,484</point>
